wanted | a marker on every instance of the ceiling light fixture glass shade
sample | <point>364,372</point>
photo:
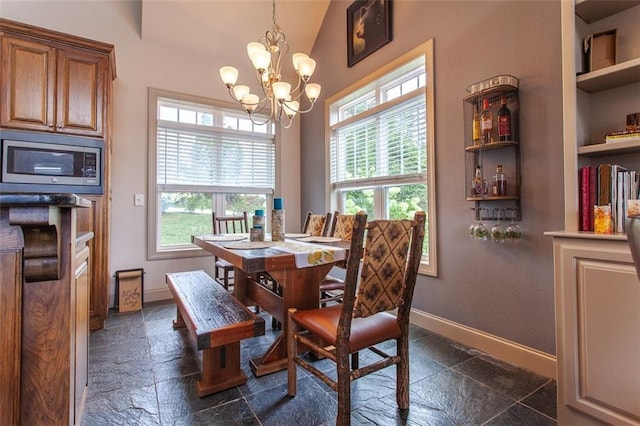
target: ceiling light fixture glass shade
<point>280,101</point>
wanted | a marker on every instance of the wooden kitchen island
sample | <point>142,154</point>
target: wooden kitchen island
<point>44,309</point>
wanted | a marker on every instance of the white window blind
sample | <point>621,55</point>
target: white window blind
<point>214,158</point>
<point>386,144</point>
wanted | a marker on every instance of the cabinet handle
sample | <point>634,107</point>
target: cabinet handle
<point>49,125</point>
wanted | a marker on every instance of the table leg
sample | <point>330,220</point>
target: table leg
<point>300,289</point>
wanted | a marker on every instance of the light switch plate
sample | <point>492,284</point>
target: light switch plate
<point>138,200</point>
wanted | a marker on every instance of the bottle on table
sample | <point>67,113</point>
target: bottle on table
<point>486,122</point>
<point>504,121</point>
<point>499,187</point>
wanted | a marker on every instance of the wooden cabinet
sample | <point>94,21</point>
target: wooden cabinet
<point>597,289</point>
<point>598,324</point>
<point>56,82</point>
<point>49,88</point>
<point>44,289</point>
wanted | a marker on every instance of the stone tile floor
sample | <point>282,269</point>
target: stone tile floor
<point>143,372</point>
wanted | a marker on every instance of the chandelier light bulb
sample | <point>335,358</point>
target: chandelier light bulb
<point>254,47</point>
<point>240,91</point>
<point>250,102</point>
<point>229,75</point>
<point>281,90</point>
<point>291,108</point>
<point>313,91</point>
<point>261,60</point>
<point>295,59</point>
<point>306,67</point>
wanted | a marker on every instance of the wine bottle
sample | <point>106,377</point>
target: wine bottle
<point>486,122</point>
<point>476,126</point>
<point>499,182</point>
<point>504,121</point>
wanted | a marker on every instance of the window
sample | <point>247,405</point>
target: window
<point>381,145</point>
<point>203,157</point>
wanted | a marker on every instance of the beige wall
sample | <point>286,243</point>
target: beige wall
<point>506,291</point>
<point>142,64</point>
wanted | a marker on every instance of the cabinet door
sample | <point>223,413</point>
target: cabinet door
<point>10,316</point>
<point>28,85</point>
<point>598,321</point>
<point>96,219</point>
<point>81,87</point>
<point>82,332</point>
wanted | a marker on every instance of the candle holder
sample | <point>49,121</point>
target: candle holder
<point>277,225</point>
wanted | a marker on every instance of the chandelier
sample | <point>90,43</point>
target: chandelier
<point>279,101</point>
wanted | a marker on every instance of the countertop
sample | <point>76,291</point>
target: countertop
<point>41,200</point>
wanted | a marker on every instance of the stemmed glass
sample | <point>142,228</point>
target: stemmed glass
<point>498,233</point>
<point>513,232</point>
<point>480,231</point>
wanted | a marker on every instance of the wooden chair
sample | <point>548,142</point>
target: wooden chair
<point>331,287</point>
<point>317,224</point>
<point>365,318</point>
<point>227,225</point>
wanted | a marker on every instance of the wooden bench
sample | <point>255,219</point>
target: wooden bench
<point>218,322</point>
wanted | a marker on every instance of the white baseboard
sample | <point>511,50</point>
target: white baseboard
<point>156,295</point>
<point>514,353</point>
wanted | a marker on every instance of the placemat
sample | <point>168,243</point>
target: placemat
<point>320,239</point>
<point>227,237</point>
<point>248,245</point>
<point>296,235</point>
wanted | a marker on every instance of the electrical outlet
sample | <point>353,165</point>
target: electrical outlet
<point>138,200</point>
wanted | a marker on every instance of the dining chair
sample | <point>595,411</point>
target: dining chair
<point>227,225</point>
<point>317,225</point>
<point>366,316</point>
<point>331,287</point>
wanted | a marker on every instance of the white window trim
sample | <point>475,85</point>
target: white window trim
<point>426,49</point>
<point>153,218</point>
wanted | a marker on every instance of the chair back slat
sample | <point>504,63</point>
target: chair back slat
<point>316,224</point>
<point>384,266</point>
<point>230,224</point>
<point>342,226</point>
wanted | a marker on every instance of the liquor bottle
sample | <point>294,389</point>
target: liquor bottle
<point>476,126</point>
<point>504,121</point>
<point>499,182</point>
<point>479,185</point>
<point>486,121</point>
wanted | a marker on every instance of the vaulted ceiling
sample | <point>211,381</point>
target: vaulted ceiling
<point>222,28</point>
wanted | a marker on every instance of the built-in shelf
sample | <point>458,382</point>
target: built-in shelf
<point>610,77</point>
<point>594,10</point>
<point>491,145</point>
<point>599,150</point>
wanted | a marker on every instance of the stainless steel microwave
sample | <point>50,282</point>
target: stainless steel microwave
<point>40,162</point>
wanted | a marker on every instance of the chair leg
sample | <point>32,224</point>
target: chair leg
<point>225,280</point>
<point>402,372</point>
<point>344,388</point>
<point>292,352</point>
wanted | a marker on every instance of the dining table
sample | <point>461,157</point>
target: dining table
<point>298,265</point>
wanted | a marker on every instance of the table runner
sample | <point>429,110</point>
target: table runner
<point>311,254</point>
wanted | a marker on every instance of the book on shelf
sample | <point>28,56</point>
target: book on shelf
<point>622,136</point>
<point>606,185</point>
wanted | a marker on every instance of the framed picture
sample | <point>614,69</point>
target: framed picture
<point>368,28</point>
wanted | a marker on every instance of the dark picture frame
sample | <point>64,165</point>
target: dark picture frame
<point>368,28</point>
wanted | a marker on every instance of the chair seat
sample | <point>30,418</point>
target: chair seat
<point>221,263</point>
<point>365,332</point>
<point>330,283</point>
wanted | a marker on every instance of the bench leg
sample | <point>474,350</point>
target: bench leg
<point>220,369</point>
<point>179,321</point>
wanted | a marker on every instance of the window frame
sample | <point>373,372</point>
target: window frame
<point>154,189</point>
<point>334,198</point>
